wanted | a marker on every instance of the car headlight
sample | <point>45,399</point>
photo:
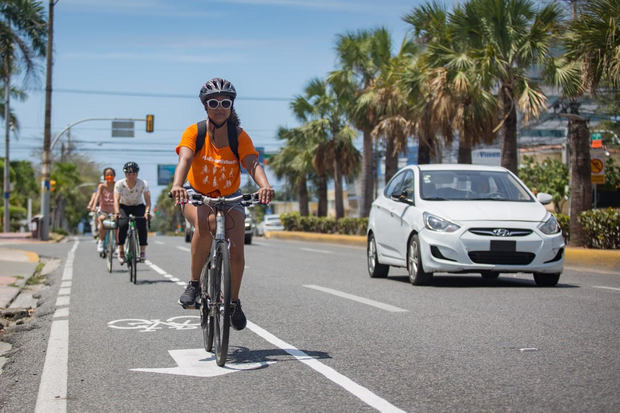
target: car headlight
<point>434,223</point>
<point>550,226</point>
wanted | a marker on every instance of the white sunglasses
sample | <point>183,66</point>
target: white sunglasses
<point>214,103</point>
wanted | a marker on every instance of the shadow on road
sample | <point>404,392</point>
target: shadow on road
<point>238,354</point>
<point>473,281</point>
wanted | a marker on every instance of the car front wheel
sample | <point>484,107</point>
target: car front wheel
<point>546,280</point>
<point>375,269</point>
<point>417,275</point>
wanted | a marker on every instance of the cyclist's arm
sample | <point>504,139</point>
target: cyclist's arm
<point>117,203</point>
<point>256,171</point>
<point>147,199</point>
<point>186,156</point>
<point>91,202</point>
<point>95,201</point>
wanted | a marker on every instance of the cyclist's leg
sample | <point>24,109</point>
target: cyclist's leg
<point>235,231</point>
<point>100,219</point>
<point>203,220</point>
<point>123,225</point>
<point>139,211</point>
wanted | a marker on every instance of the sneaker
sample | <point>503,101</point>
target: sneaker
<point>192,291</point>
<point>237,318</point>
<point>99,246</point>
<point>121,258</point>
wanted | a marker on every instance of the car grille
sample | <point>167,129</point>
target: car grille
<point>507,232</point>
<point>501,257</point>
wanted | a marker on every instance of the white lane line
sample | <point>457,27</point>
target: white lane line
<point>163,273</point>
<point>159,242</point>
<point>606,288</point>
<point>314,250</point>
<point>346,383</point>
<point>64,291</point>
<point>184,249</point>
<point>52,396</point>
<point>181,283</point>
<point>362,300</point>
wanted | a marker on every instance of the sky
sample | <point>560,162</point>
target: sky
<point>129,58</point>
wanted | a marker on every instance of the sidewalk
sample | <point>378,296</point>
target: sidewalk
<point>16,267</point>
<point>605,260</point>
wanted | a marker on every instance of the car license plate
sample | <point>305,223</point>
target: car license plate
<point>508,246</point>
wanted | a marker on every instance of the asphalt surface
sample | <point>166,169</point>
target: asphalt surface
<point>462,344</point>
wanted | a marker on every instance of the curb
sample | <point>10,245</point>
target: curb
<point>20,269</point>
<point>608,260</point>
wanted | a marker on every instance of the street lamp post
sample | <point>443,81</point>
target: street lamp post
<point>7,174</point>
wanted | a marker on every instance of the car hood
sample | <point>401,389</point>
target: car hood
<point>487,210</point>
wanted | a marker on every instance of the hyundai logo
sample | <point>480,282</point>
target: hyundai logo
<point>501,232</point>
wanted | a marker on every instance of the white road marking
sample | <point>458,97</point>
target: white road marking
<point>586,270</point>
<point>346,383</point>
<point>198,363</point>
<point>159,242</point>
<point>65,284</point>
<point>315,250</point>
<point>606,288</point>
<point>522,350</point>
<point>362,300</point>
<point>184,249</point>
<point>52,396</point>
<point>181,283</point>
<point>64,291</point>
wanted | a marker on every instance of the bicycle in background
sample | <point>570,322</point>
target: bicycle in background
<point>109,241</point>
<point>132,248</point>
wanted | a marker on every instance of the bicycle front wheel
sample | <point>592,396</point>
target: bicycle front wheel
<point>206,320</point>
<point>221,281</point>
<point>110,237</point>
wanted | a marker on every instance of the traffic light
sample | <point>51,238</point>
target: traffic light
<point>52,184</point>
<point>150,123</point>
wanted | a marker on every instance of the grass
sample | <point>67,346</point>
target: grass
<point>35,279</point>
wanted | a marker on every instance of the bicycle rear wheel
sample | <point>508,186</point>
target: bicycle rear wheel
<point>134,257</point>
<point>221,279</point>
<point>110,238</point>
<point>206,320</point>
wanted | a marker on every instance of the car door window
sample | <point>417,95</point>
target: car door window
<point>407,185</point>
<point>394,186</point>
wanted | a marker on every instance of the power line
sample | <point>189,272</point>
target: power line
<point>160,95</point>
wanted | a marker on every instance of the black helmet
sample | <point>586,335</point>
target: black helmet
<point>217,86</point>
<point>131,167</point>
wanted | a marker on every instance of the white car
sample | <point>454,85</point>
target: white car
<point>271,222</point>
<point>463,218</point>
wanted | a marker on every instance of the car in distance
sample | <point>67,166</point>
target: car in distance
<point>271,222</point>
<point>463,219</point>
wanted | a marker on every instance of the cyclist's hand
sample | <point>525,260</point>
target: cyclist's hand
<point>178,194</point>
<point>265,195</point>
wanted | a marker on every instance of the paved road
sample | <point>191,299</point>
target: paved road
<point>323,336</point>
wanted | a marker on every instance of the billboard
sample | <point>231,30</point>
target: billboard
<point>165,173</point>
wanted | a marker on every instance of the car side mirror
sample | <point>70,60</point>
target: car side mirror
<point>544,198</point>
<point>402,198</point>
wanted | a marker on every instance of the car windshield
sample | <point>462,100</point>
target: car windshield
<point>467,185</point>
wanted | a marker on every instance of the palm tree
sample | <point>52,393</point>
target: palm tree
<point>362,54</point>
<point>293,163</point>
<point>592,59</point>
<point>23,34</point>
<point>334,151</point>
<point>508,37</point>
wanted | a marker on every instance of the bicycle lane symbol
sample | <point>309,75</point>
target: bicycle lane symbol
<point>184,322</point>
<point>190,362</point>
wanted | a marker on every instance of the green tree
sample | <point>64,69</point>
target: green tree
<point>591,60</point>
<point>362,54</point>
<point>508,37</point>
<point>550,176</point>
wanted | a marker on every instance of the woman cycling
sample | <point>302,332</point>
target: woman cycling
<point>214,170</point>
<point>131,196</point>
<point>105,201</point>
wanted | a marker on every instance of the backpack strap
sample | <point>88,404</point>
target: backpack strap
<point>233,137</point>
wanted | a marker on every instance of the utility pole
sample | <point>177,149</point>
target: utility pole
<point>47,160</point>
<point>7,172</point>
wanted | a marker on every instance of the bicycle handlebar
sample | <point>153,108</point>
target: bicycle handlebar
<point>246,199</point>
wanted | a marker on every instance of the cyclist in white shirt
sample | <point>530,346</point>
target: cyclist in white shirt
<point>131,196</point>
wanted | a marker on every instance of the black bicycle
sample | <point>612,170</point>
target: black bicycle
<point>215,283</point>
<point>132,248</point>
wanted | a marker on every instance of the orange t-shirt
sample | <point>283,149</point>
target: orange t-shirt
<point>215,172</point>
